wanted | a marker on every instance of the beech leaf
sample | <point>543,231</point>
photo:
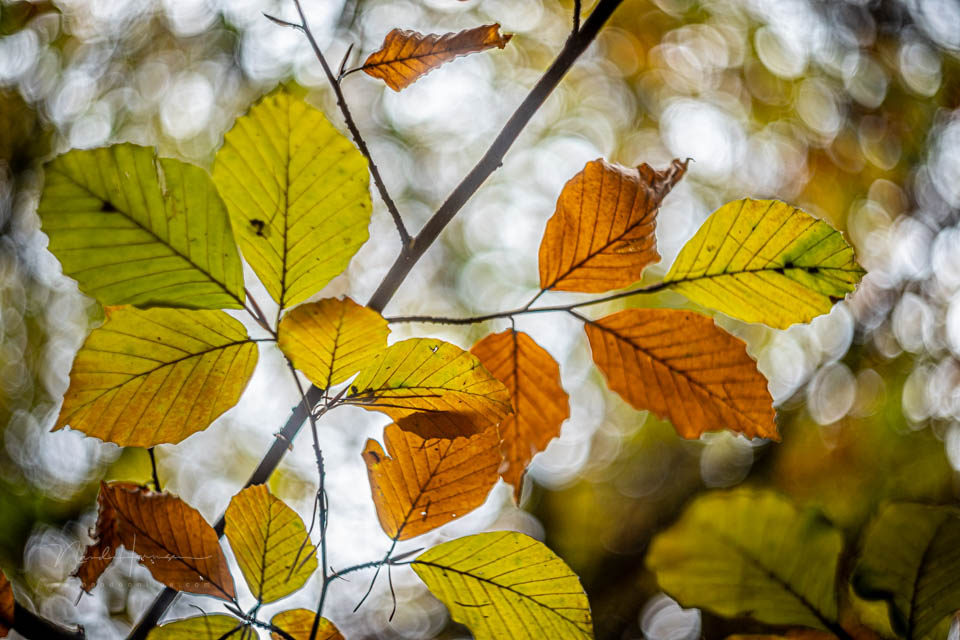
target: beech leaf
<point>506,585</point>
<point>910,557</point>
<point>765,261</point>
<point>132,228</point>
<point>174,542</point>
<point>270,543</point>
<point>540,405</point>
<point>405,56</point>
<point>330,340</point>
<point>297,193</point>
<point>682,367</point>
<point>98,556</point>
<point>419,485</point>
<point>298,623</point>
<point>7,606</point>
<point>432,388</point>
<point>206,627</point>
<point>601,236</point>
<point>154,376</point>
<point>752,554</point>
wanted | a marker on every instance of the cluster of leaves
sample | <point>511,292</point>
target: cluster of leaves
<point>158,242</point>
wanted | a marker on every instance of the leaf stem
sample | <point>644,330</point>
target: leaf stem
<point>354,131</point>
<point>153,468</point>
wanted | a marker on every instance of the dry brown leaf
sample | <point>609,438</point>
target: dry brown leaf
<point>98,556</point>
<point>6,606</point>
<point>601,236</point>
<point>405,56</point>
<point>427,483</point>
<point>681,366</point>
<point>540,405</point>
<point>173,540</point>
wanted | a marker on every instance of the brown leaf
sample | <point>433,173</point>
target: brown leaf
<point>97,557</point>
<point>601,236</point>
<point>540,405</point>
<point>173,540</point>
<point>681,366</point>
<point>407,55</point>
<point>427,483</point>
<point>6,606</point>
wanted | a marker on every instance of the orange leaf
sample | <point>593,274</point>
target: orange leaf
<point>407,55</point>
<point>540,405</point>
<point>681,366</point>
<point>601,236</point>
<point>173,540</point>
<point>6,606</point>
<point>428,483</point>
<point>97,557</point>
<point>298,623</point>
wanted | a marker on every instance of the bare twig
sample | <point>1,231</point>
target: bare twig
<point>282,23</point>
<point>30,625</point>
<point>354,131</point>
<point>576,16</point>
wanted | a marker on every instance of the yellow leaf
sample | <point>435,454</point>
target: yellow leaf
<point>747,553</point>
<point>173,540</point>
<point>154,376</point>
<point>6,606</point>
<point>765,261</point>
<point>330,340</point>
<point>431,388</point>
<point>132,228</point>
<point>270,543</point>
<point>540,405</point>
<point>405,56</point>
<point>506,585</point>
<point>297,193</point>
<point>601,236</point>
<point>424,484</point>
<point>298,623</point>
<point>207,627</point>
<point>681,366</point>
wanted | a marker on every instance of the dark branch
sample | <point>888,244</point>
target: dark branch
<point>576,16</point>
<point>30,625</point>
<point>354,131</point>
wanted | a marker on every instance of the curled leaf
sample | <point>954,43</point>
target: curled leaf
<point>601,236</point>
<point>98,556</point>
<point>174,542</point>
<point>298,624</point>
<point>683,367</point>
<point>765,261</point>
<point>419,485</point>
<point>507,585</point>
<point>330,340</point>
<point>433,388</point>
<point>540,405</point>
<point>154,376</point>
<point>405,56</point>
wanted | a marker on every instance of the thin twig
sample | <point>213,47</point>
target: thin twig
<point>257,314</point>
<point>343,63</point>
<point>576,16</point>
<point>386,558</point>
<point>282,23</point>
<point>354,131</point>
<point>153,468</point>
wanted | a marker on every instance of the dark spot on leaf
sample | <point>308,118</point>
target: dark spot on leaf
<point>107,207</point>
<point>374,455</point>
<point>788,265</point>
<point>814,270</point>
<point>258,226</point>
<point>779,270</point>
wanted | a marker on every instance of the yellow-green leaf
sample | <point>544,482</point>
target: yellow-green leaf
<point>748,553</point>
<point>270,542</point>
<point>765,261</point>
<point>208,627</point>
<point>132,228</point>
<point>298,623</point>
<point>330,340</point>
<point>506,585</point>
<point>154,376</point>
<point>910,557</point>
<point>432,388</point>
<point>297,193</point>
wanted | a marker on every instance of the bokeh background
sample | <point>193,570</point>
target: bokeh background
<point>848,109</point>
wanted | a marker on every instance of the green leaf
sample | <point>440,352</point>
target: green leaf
<point>910,557</point>
<point>208,627</point>
<point>134,229</point>
<point>506,585</point>
<point>432,388</point>
<point>297,193</point>
<point>270,543</point>
<point>752,554</point>
<point>765,261</point>
<point>155,376</point>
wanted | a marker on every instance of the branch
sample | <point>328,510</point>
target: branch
<point>354,131</point>
<point>30,625</point>
<point>493,158</point>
